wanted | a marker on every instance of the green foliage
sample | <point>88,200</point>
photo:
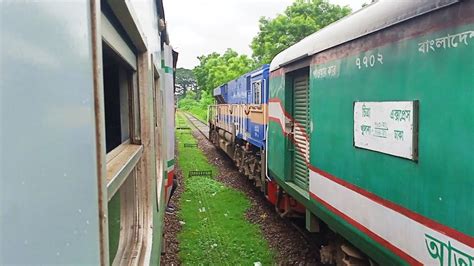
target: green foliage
<point>215,230</point>
<point>196,104</point>
<point>185,81</point>
<point>299,20</point>
<point>215,69</point>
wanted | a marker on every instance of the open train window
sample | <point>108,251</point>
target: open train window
<point>122,124</point>
<point>257,92</point>
<point>117,78</point>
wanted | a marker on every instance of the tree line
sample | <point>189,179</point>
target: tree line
<point>194,87</point>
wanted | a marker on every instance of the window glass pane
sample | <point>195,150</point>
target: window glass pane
<point>256,87</point>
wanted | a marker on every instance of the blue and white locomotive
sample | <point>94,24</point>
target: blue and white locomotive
<point>238,121</point>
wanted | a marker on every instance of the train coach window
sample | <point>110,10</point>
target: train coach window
<point>257,92</point>
<point>124,75</point>
<point>117,84</point>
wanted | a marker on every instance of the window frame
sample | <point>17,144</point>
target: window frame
<point>257,92</point>
<point>123,159</point>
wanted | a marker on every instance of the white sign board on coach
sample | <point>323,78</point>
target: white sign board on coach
<point>387,127</point>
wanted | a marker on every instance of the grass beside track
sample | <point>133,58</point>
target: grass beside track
<point>215,231</point>
<point>199,113</point>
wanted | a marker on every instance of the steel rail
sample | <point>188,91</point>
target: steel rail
<point>202,127</point>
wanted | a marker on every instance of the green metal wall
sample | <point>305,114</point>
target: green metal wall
<point>278,156</point>
<point>439,185</point>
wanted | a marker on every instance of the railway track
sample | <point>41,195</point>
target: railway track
<point>200,125</point>
<point>203,128</point>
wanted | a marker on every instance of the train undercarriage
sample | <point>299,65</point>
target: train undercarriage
<point>248,158</point>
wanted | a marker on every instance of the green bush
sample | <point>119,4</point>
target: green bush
<point>196,104</point>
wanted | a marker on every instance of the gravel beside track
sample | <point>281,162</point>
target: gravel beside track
<point>293,246</point>
<point>172,225</point>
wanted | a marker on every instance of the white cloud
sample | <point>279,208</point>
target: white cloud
<point>198,27</point>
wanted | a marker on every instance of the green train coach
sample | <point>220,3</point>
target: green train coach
<point>87,126</point>
<point>371,131</point>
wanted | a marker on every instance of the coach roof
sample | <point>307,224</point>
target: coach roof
<point>377,16</point>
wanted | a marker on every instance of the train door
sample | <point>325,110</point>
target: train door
<point>301,110</point>
<point>247,106</point>
<point>256,114</point>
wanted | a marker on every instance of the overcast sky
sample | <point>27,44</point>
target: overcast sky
<point>198,27</point>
